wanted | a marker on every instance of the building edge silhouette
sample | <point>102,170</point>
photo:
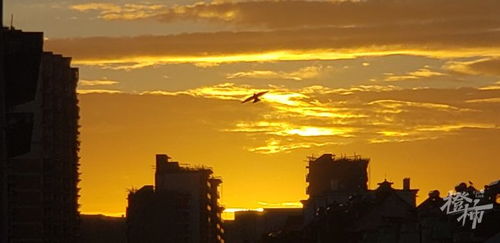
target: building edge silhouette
<point>3,165</point>
<point>341,208</point>
<point>39,141</point>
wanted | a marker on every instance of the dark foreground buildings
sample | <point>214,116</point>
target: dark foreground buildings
<point>39,141</point>
<point>341,208</point>
<point>102,229</point>
<point>181,207</point>
<point>256,226</point>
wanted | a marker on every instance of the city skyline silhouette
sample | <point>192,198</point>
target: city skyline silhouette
<point>413,107</point>
<point>413,86</point>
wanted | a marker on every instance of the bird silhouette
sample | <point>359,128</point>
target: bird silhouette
<point>255,97</point>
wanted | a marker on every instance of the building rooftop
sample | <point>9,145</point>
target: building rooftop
<point>163,165</point>
<point>330,158</point>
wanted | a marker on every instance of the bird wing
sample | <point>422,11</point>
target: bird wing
<point>256,100</point>
<point>248,99</point>
<point>261,93</point>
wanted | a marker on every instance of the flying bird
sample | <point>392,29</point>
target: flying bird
<point>255,97</point>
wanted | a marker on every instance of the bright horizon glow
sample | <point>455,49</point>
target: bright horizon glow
<point>227,214</point>
<point>134,62</point>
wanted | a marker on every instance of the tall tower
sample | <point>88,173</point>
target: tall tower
<point>39,142</point>
<point>3,169</point>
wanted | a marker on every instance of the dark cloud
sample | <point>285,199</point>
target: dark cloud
<point>285,14</point>
<point>488,66</point>
<point>427,27</point>
<point>431,39</point>
<point>485,66</point>
<point>291,14</point>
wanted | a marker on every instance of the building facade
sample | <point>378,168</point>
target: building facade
<point>39,141</point>
<point>181,207</point>
<point>331,180</point>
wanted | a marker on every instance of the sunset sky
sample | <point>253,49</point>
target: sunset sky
<point>412,84</point>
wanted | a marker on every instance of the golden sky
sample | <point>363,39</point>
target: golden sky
<point>413,85</point>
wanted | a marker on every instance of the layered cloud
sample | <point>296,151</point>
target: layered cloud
<point>318,116</point>
<point>309,72</point>
<point>286,14</point>
<point>277,146</point>
<point>295,30</point>
<point>305,44</point>
<point>100,86</point>
<point>425,133</point>
<point>291,14</point>
<point>486,66</point>
<point>418,74</point>
<point>83,82</point>
<point>110,11</point>
<point>98,91</point>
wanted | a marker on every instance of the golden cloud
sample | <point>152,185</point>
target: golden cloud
<point>451,127</point>
<point>326,43</point>
<point>292,14</point>
<point>495,86</point>
<point>486,100</point>
<point>312,117</point>
<point>287,129</point>
<point>309,72</point>
<point>84,82</point>
<point>485,66</point>
<point>276,146</point>
<point>98,91</point>
<point>398,105</point>
<point>418,74</point>
<point>295,30</point>
<point>110,11</point>
<point>286,14</point>
<point>317,116</point>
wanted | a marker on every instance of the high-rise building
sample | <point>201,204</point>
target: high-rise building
<point>182,206</point>
<point>328,174</point>
<point>39,141</point>
<point>341,208</point>
<point>332,180</point>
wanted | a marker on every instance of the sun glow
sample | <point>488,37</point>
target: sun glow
<point>316,131</point>
<point>141,61</point>
<point>229,213</point>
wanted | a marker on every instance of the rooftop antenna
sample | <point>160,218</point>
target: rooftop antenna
<point>369,176</point>
<point>311,158</point>
<point>1,14</point>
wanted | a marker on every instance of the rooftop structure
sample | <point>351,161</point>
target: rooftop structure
<point>329,174</point>
<point>184,198</point>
